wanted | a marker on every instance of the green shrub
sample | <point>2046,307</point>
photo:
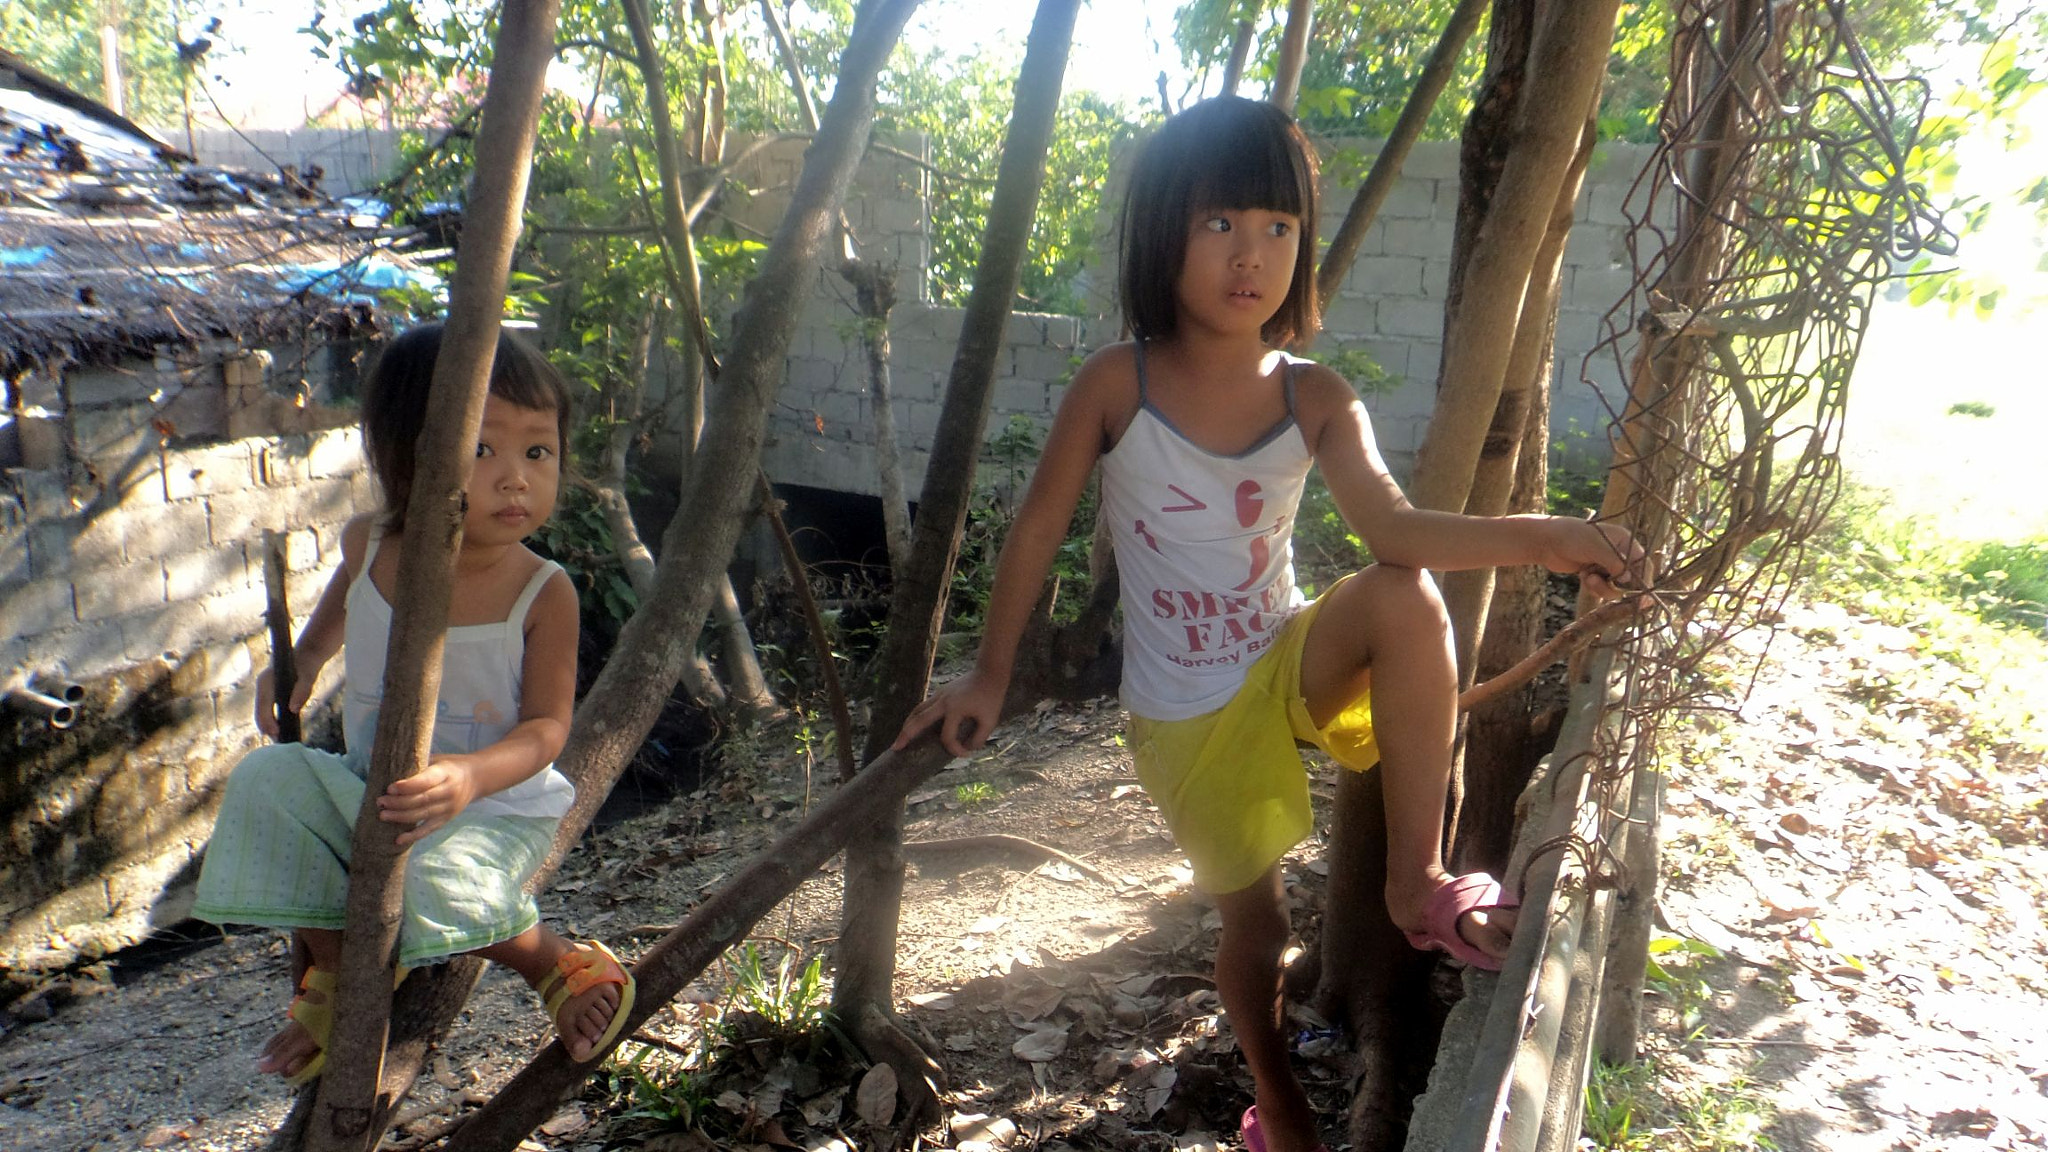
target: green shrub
<point>2008,583</point>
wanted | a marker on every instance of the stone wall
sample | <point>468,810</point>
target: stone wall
<point>135,499</point>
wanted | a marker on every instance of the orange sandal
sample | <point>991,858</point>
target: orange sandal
<point>580,969</point>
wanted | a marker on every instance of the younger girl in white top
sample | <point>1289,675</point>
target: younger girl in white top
<point>1205,432</point>
<point>482,814</point>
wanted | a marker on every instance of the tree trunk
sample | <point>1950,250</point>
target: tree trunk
<point>1240,48</point>
<point>1502,739</point>
<point>1497,758</point>
<point>1386,167</point>
<point>349,1111</point>
<point>863,994</point>
<point>616,714</point>
<point>1568,56</point>
<point>874,293</point>
<point>1368,973</point>
<point>1301,15</point>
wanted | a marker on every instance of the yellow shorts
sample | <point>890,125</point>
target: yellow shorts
<point>1231,783</point>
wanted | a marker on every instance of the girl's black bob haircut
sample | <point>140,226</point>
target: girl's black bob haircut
<point>1223,153</point>
<point>395,403</point>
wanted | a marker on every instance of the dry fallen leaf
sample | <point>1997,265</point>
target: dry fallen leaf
<point>875,1099</point>
<point>1041,1043</point>
<point>568,1120</point>
<point>985,1129</point>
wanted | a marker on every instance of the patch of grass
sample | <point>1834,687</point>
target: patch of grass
<point>1637,1108</point>
<point>1976,408</point>
<point>975,795</point>
<point>1975,612</point>
<point>2010,582</point>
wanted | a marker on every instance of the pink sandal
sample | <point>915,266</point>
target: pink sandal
<point>1451,900</point>
<point>1254,1139</point>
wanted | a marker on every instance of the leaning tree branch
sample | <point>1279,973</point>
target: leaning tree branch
<point>721,921</point>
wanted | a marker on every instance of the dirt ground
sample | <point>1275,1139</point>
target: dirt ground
<point>1867,973</point>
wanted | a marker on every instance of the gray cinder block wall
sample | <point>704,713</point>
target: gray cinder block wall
<point>1390,307</point>
<point>134,504</point>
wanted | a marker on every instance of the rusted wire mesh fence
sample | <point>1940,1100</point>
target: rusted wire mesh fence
<point>1780,198</point>
<point>1779,201</point>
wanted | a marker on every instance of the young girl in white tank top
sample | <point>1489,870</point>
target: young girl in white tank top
<point>480,817</point>
<point>1205,431</point>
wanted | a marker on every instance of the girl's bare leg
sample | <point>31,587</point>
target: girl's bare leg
<point>583,1018</point>
<point>1248,982</point>
<point>1387,627</point>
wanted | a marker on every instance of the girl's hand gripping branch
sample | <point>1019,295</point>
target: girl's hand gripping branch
<point>429,798</point>
<point>965,711</point>
<point>266,699</point>
<point>1606,558</point>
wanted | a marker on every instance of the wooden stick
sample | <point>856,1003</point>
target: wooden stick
<point>284,665</point>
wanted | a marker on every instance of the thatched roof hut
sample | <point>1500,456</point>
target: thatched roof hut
<point>114,245</point>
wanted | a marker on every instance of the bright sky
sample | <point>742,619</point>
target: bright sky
<point>269,78</point>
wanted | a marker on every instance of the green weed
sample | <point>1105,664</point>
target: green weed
<point>1681,982</point>
<point>2008,583</point>
<point>1614,1095</point>
<point>975,795</point>
<point>655,1087</point>
<point>1637,1108</point>
<point>1007,464</point>
<point>1977,408</point>
<point>788,999</point>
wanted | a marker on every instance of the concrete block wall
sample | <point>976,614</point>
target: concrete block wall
<point>353,159</point>
<point>1390,307</point>
<point>1391,304</point>
<point>131,564</point>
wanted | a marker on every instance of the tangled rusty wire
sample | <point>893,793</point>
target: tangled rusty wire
<point>1777,202</point>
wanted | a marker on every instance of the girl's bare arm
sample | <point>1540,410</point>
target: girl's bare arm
<point>1340,435</point>
<point>1071,449</point>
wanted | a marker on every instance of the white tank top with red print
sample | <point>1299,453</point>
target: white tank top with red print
<point>1204,554</point>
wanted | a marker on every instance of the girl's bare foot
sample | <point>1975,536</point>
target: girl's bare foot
<point>583,1018</point>
<point>287,1052</point>
<point>584,988</point>
<point>295,1046</point>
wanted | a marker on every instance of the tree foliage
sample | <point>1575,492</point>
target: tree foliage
<point>62,37</point>
<point>1365,54</point>
<point>961,104</point>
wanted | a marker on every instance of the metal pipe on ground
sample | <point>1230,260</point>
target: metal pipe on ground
<point>57,707</point>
